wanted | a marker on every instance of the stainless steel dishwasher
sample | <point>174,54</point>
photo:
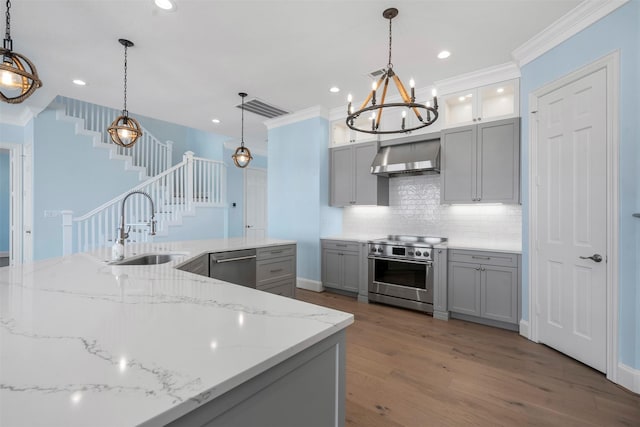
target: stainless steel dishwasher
<point>237,267</point>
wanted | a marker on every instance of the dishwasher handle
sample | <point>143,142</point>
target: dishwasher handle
<point>241,258</point>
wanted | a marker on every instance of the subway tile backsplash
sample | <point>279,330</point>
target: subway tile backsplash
<point>414,208</point>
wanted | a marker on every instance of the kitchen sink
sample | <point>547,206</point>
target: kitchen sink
<point>148,259</point>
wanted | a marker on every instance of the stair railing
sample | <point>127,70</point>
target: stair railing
<point>178,190</point>
<point>149,152</point>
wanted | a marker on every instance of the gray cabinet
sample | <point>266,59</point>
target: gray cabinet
<point>341,265</point>
<point>481,163</point>
<point>351,181</point>
<point>440,307</point>
<point>484,286</point>
<point>276,270</point>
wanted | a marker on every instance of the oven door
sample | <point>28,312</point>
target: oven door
<point>405,279</point>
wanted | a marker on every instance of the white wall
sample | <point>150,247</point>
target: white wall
<point>414,208</point>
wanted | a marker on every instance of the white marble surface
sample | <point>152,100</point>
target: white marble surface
<point>492,246</point>
<point>360,238</point>
<point>83,343</point>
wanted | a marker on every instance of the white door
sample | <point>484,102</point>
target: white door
<point>27,202</point>
<point>572,219</point>
<point>255,213</point>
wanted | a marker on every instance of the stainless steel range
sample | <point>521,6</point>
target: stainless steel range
<point>401,271</point>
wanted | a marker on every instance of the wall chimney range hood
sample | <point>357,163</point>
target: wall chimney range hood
<point>414,155</point>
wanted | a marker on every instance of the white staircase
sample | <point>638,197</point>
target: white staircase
<point>175,190</point>
<point>149,155</point>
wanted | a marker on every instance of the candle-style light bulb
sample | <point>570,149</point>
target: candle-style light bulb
<point>428,104</point>
<point>404,115</point>
<point>434,93</point>
<point>412,85</point>
<point>349,108</point>
<point>374,86</point>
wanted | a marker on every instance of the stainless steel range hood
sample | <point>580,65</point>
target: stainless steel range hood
<point>415,155</point>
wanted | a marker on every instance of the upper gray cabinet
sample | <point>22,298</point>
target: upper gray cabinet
<point>351,181</point>
<point>481,163</point>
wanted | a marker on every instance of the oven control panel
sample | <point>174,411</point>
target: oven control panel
<point>422,253</point>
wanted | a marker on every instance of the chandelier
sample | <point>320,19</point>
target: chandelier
<point>242,156</point>
<point>18,76</point>
<point>125,130</point>
<point>425,114</point>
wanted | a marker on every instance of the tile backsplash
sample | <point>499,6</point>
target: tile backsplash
<point>414,208</point>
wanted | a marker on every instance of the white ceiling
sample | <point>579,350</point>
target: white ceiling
<point>188,66</point>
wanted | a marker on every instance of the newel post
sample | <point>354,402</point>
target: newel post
<point>67,232</point>
<point>188,158</point>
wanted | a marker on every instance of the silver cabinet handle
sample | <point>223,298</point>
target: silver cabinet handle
<point>594,257</point>
<point>480,257</point>
<point>341,245</point>
<point>477,268</point>
<point>275,270</point>
<point>220,261</point>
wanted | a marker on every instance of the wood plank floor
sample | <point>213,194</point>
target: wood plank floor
<point>405,368</point>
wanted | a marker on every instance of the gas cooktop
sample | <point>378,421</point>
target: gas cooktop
<point>405,240</point>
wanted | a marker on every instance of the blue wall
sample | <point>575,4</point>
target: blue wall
<point>618,31</point>
<point>4,200</point>
<point>298,193</point>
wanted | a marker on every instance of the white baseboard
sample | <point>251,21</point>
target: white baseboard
<point>629,377</point>
<point>524,328</point>
<point>312,285</point>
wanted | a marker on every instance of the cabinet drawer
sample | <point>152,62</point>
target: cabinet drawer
<point>285,288</point>
<point>276,252</point>
<point>340,245</point>
<point>482,257</point>
<point>275,269</point>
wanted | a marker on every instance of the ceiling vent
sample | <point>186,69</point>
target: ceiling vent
<point>263,109</point>
<point>377,73</point>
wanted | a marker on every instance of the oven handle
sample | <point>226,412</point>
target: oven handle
<point>400,260</point>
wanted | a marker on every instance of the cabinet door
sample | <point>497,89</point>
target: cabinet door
<point>331,268</point>
<point>464,288</point>
<point>351,271</point>
<point>499,293</point>
<point>366,184</point>
<point>499,161</point>
<point>341,176</point>
<point>458,165</point>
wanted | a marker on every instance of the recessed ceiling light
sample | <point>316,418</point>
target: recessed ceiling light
<point>216,121</point>
<point>444,54</point>
<point>462,98</point>
<point>79,82</point>
<point>165,4</point>
<point>334,89</point>
<point>500,90</point>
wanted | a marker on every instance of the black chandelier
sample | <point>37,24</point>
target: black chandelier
<point>426,113</point>
<point>242,156</point>
<point>125,130</point>
<point>18,76</point>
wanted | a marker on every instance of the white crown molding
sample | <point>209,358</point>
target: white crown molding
<point>576,20</point>
<point>17,118</point>
<point>298,116</point>
<point>485,76</point>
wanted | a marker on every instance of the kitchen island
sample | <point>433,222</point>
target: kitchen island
<point>86,343</point>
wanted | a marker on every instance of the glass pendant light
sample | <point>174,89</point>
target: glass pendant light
<point>242,156</point>
<point>18,76</point>
<point>125,130</point>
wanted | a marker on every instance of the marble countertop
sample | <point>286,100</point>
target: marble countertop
<point>84,343</point>
<point>494,246</point>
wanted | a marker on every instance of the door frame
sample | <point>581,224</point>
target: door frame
<point>244,188</point>
<point>15,202</point>
<point>611,64</point>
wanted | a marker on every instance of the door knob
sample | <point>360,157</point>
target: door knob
<point>594,257</point>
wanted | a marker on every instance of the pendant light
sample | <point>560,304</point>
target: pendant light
<point>426,113</point>
<point>242,156</point>
<point>18,76</point>
<point>125,130</point>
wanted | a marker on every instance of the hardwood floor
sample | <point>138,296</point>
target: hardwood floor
<point>405,368</point>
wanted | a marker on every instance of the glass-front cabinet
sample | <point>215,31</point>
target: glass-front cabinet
<point>486,103</point>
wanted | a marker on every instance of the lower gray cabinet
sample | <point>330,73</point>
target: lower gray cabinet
<point>276,270</point>
<point>341,265</point>
<point>484,286</point>
<point>198,265</point>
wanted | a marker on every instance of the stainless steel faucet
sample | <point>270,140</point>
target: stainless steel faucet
<point>125,234</point>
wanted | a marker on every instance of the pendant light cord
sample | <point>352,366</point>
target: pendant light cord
<point>242,127</point>
<point>125,112</point>
<point>8,43</point>
<point>390,65</point>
